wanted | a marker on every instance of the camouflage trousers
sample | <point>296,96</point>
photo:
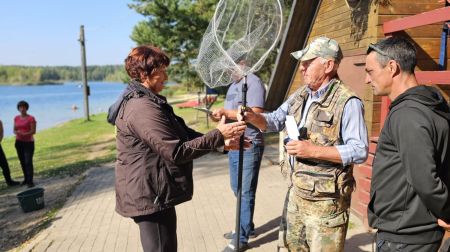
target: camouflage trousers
<point>314,226</point>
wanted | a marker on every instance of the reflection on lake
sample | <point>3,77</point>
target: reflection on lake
<point>54,104</point>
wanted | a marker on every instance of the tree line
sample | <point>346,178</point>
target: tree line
<point>29,75</point>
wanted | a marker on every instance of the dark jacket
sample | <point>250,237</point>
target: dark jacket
<point>411,171</point>
<point>155,150</point>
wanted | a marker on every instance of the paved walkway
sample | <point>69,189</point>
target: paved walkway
<point>88,222</point>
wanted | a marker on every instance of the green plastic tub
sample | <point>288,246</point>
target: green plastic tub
<point>31,199</point>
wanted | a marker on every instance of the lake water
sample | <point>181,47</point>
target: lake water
<point>52,104</point>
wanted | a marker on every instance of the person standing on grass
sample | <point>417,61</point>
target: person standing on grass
<point>4,162</point>
<point>24,129</point>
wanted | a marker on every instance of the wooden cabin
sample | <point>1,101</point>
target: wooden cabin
<point>355,24</point>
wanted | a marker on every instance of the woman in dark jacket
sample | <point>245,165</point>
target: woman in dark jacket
<point>155,150</point>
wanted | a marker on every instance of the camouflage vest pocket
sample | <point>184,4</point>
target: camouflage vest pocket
<point>315,184</point>
<point>323,118</point>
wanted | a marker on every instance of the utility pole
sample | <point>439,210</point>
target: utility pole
<point>86,91</point>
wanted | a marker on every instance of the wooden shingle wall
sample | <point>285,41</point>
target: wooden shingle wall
<point>427,39</point>
<point>355,29</point>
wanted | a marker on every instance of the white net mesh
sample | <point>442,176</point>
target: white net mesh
<point>240,30</point>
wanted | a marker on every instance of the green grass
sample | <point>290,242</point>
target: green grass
<point>71,148</point>
<point>175,90</point>
<point>67,149</point>
<point>197,119</point>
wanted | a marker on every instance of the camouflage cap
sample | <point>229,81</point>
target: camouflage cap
<point>320,47</point>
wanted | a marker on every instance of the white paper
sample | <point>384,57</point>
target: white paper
<point>291,127</point>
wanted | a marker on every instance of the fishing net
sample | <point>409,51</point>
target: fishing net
<point>239,30</point>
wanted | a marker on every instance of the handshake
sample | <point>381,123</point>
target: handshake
<point>241,114</point>
<point>232,131</point>
<point>249,115</point>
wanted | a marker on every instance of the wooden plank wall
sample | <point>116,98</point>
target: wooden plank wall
<point>427,38</point>
<point>300,20</point>
<point>363,177</point>
<point>354,30</point>
<point>333,20</point>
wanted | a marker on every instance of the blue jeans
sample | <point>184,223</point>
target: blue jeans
<point>251,164</point>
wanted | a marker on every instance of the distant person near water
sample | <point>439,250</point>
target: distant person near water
<point>24,129</point>
<point>4,162</point>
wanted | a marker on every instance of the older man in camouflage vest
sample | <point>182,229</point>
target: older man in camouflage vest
<point>319,163</point>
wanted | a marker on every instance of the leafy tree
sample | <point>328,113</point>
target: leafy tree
<point>177,26</point>
<point>3,75</point>
<point>48,74</point>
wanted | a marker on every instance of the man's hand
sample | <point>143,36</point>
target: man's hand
<point>217,114</point>
<point>246,114</point>
<point>241,112</point>
<point>443,224</point>
<point>252,115</point>
<point>231,130</point>
<point>302,149</point>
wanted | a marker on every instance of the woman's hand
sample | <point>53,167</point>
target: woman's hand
<point>231,130</point>
<point>233,144</point>
<point>18,133</point>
